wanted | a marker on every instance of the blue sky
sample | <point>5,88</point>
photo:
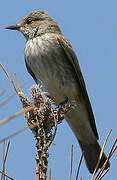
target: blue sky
<point>91,27</point>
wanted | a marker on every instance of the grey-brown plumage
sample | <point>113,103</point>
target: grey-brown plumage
<point>51,61</point>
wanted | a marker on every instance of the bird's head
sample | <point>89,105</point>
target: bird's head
<point>36,24</point>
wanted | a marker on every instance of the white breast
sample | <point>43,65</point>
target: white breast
<point>43,55</point>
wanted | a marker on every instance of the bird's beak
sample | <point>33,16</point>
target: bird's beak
<point>16,27</point>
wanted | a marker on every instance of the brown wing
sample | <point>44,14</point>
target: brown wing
<point>74,62</point>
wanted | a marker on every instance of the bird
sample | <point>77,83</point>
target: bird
<point>51,60</point>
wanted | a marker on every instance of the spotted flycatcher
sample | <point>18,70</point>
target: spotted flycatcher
<point>51,60</point>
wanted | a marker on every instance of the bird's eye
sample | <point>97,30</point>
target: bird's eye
<point>29,21</point>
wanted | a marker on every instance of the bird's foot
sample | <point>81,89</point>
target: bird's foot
<point>66,105</point>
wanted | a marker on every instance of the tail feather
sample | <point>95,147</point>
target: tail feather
<point>91,155</point>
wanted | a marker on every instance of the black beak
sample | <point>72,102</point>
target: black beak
<point>16,27</point>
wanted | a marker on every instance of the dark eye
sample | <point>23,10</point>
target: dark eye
<point>29,21</point>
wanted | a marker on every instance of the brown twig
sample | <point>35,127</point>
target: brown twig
<point>79,165</point>
<point>100,156</point>
<point>9,77</point>
<point>15,115</point>
<point>50,174</point>
<point>18,132</point>
<point>6,100</point>
<point>114,147</point>
<point>3,170</point>
<point>6,175</point>
<point>4,157</point>
<point>104,174</point>
<point>100,174</point>
<point>46,118</point>
<point>12,135</point>
<point>18,85</point>
<point>71,163</point>
<point>10,97</point>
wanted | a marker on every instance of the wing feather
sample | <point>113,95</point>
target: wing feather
<point>65,45</point>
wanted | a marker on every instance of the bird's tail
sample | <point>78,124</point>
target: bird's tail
<point>91,155</point>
